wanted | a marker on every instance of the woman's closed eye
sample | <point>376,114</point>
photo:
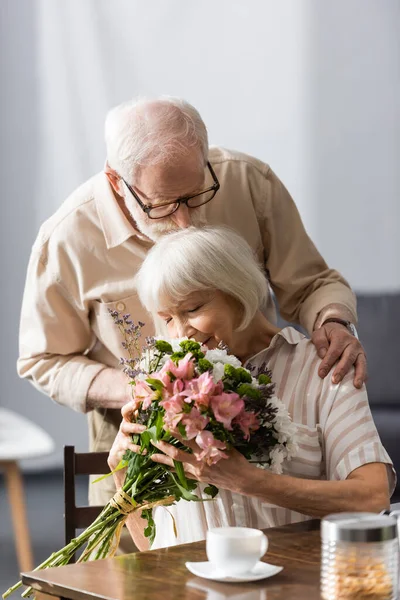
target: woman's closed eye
<point>192,310</point>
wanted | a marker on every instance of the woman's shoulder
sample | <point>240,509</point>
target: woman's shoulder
<point>287,339</point>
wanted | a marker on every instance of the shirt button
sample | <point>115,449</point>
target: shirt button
<point>120,306</point>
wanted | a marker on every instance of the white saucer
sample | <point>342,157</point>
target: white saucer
<point>208,571</point>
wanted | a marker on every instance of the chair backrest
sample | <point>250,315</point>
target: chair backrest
<point>88,463</point>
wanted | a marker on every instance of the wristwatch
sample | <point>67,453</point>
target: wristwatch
<point>348,324</point>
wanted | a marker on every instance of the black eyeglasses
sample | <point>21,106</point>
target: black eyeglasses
<point>168,208</point>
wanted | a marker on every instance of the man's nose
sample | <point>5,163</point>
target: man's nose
<point>181,217</point>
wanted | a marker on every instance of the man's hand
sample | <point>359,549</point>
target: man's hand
<point>109,389</point>
<point>335,343</point>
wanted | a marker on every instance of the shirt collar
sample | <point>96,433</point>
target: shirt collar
<point>288,334</point>
<point>116,227</point>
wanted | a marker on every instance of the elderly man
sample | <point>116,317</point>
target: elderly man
<point>161,175</point>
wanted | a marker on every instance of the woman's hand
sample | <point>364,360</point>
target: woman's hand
<point>225,474</point>
<point>123,441</point>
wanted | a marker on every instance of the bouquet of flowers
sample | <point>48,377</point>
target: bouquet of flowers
<point>183,391</point>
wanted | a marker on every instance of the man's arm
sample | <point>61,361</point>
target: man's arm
<point>55,333</point>
<point>303,283</point>
<point>307,290</point>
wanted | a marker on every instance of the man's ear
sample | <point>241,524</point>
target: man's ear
<point>114,179</point>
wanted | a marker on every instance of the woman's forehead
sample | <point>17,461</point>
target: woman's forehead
<point>169,303</point>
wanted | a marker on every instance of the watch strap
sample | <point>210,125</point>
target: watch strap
<point>349,326</point>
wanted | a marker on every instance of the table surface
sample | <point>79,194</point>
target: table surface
<point>162,573</point>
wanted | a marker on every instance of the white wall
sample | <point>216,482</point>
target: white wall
<point>310,86</point>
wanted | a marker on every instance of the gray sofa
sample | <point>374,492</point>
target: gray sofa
<point>379,331</point>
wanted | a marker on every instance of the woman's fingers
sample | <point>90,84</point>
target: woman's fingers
<point>128,428</point>
<point>189,443</point>
<point>163,459</point>
<point>174,453</point>
<point>129,410</point>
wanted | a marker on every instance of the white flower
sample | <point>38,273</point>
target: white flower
<point>277,457</point>
<point>173,341</point>
<point>221,356</point>
<point>292,449</point>
<point>141,377</point>
<point>218,371</point>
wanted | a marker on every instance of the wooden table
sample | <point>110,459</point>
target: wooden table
<point>161,574</point>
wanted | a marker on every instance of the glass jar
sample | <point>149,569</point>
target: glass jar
<point>360,557</point>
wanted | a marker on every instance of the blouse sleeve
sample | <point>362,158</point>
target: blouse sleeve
<point>350,438</point>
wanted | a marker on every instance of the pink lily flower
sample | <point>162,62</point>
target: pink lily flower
<point>212,448</point>
<point>200,389</point>
<point>183,370</point>
<point>226,407</point>
<point>143,393</point>
<point>194,423</point>
<point>248,422</point>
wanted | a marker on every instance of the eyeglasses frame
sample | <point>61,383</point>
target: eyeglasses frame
<point>146,208</point>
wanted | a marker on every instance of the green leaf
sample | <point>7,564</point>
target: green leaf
<point>159,424</point>
<point>185,494</point>
<point>150,530</point>
<point>121,465</point>
<point>211,490</point>
<point>181,474</point>
<point>154,432</point>
<point>156,384</point>
<point>145,439</point>
<point>134,466</point>
<point>182,430</point>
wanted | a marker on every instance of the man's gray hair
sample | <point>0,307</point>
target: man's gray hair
<point>145,132</point>
<point>196,259</point>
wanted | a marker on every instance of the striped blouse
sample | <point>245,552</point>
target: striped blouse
<point>336,436</point>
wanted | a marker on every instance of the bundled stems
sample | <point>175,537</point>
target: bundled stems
<point>99,535</point>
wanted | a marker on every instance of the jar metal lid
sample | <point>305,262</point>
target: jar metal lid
<point>358,527</point>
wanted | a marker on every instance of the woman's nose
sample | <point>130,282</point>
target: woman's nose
<point>185,330</point>
<point>181,217</point>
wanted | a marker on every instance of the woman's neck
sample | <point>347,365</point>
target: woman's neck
<point>256,337</point>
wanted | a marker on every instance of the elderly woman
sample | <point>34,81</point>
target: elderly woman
<point>206,284</point>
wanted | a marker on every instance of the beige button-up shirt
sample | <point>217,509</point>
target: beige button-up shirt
<point>86,255</point>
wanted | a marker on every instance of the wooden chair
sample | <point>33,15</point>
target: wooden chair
<point>88,463</point>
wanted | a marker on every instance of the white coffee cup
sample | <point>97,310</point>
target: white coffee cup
<point>235,550</point>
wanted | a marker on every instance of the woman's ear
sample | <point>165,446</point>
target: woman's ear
<point>114,179</point>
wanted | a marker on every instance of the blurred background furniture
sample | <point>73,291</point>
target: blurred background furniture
<point>83,463</point>
<point>379,331</point>
<point>20,439</point>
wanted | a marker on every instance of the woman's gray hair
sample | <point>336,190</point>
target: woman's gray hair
<point>196,259</point>
<point>144,132</point>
